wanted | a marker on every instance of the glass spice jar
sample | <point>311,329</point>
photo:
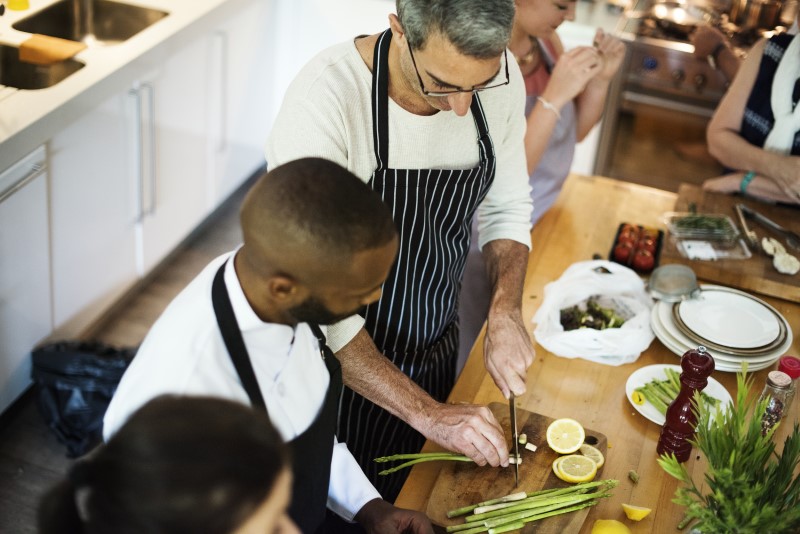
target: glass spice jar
<point>778,390</point>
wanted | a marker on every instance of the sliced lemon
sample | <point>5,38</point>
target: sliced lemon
<point>593,453</point>
<point>576,468</point>
<point>637,397</point>
<point>565,436</point>
<point>610,526</point>
<point>555,466</point>
<point>636,513</point>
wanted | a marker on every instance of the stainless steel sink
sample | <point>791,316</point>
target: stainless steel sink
<point>91,21</point>
<point>16,73</point>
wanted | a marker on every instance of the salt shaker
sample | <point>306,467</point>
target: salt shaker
<point>778,392</point>
<point>696,365</point>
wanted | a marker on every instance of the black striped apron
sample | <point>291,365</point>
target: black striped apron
<point>311,451</point>
<point>415,321</point>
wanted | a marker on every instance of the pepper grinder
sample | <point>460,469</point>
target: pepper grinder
<point>697,365</point>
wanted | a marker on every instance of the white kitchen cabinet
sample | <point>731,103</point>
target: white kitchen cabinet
<point>172,139</point>
<point>241,95</point>
<point>93,214</point>
<point>25,316</point>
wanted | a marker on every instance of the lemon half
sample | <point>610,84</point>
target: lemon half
<point>636,513</point>
<point>565,436</point>
<point>610,526</point>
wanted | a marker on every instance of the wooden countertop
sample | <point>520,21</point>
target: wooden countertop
<point>583,222</point>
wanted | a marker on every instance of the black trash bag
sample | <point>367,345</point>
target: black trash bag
<point>74,382</point>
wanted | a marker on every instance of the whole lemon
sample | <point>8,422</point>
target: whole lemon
<point>609,526</point>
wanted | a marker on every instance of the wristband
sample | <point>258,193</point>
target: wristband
<point>746,181</point>
<point>549,105</point>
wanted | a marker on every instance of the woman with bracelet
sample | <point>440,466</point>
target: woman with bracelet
<point>566,93</point>
<point>756,128</point>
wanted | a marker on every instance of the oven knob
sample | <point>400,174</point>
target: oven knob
<point>649,63</point>
<point>700,81</point>
<point>678,76</point>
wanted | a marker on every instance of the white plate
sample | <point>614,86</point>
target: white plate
<point>664,311</point>
<point>644,375</point>
<point>722,362</point>
<point>730,319</point>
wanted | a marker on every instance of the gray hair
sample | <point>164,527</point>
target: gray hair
<point>477,28</point>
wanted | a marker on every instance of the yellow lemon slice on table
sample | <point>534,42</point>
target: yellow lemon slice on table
<point>576,468</point>
<point>555,466</point>
<point>610,526</point>
<point>636,513</point>
<point>565,436</point>
<point>593,453</point>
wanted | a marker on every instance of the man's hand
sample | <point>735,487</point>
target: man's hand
<point>380,517</point>
<point>470,430</point>
<point>507,352</point>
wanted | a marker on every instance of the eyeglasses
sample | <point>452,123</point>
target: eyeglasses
<point>456,91</point>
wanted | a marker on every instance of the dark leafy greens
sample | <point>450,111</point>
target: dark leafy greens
<point>594,316</point>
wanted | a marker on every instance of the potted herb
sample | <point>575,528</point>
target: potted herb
<point>751,488</point>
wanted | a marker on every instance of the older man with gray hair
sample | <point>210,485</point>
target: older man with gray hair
<point>430,113</point>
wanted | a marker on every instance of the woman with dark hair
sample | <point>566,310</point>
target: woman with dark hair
<point>179,464</point>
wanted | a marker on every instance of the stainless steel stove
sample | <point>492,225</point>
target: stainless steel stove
<point>659,106</point>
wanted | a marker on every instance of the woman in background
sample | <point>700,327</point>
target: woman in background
<point>756,127</point>
<point>179,464</point>
<point>565,94</point>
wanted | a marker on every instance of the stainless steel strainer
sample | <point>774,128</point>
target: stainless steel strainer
<point>673,283</point>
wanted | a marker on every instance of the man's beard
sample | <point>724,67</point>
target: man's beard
<point>313,311</point>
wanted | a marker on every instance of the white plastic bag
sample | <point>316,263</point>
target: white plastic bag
<point>614,286</point>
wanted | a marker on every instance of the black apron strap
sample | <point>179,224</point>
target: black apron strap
<point>234,342</point>
<point>380,104</point>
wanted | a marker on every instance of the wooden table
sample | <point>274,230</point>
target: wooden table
<point>583,222</point>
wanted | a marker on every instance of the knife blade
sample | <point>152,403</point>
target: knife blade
<point>792,239</point>
<point>749,234</point>
<point>512,408</point>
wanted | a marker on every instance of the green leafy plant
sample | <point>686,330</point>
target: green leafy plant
<point>752,489</point>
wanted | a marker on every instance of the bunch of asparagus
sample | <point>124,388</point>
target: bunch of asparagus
<point>513,511</point>
<point>661,393</point>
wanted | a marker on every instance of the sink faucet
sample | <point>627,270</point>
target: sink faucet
<point>83,18</point>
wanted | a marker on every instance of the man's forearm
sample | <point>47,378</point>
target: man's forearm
<point>506,265</point>
<point>372,375</point>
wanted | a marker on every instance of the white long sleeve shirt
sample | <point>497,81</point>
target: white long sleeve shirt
<point>327,113</point>
<point>184,354</point>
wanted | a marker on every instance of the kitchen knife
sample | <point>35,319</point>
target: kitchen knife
<point>792,239</point>
<point>749,234</point>
<point>512,408</point>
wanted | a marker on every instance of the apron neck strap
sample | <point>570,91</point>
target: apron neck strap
<point>232,336</point>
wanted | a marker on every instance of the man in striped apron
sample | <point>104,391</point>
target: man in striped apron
<point>402,111</point>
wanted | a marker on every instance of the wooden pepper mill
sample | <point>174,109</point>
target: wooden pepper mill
<point>697,365</point>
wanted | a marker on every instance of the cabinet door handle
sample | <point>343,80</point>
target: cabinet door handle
<point>151,112</point>
<point>36,170</point>
<point>138,137</point>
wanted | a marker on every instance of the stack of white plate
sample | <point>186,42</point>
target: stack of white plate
<point>732,325</point>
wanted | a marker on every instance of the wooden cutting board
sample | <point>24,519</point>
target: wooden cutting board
<point>754,274</point>
<point>461,484</point>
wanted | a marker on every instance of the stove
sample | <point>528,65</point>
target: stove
<point>660,103</point>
